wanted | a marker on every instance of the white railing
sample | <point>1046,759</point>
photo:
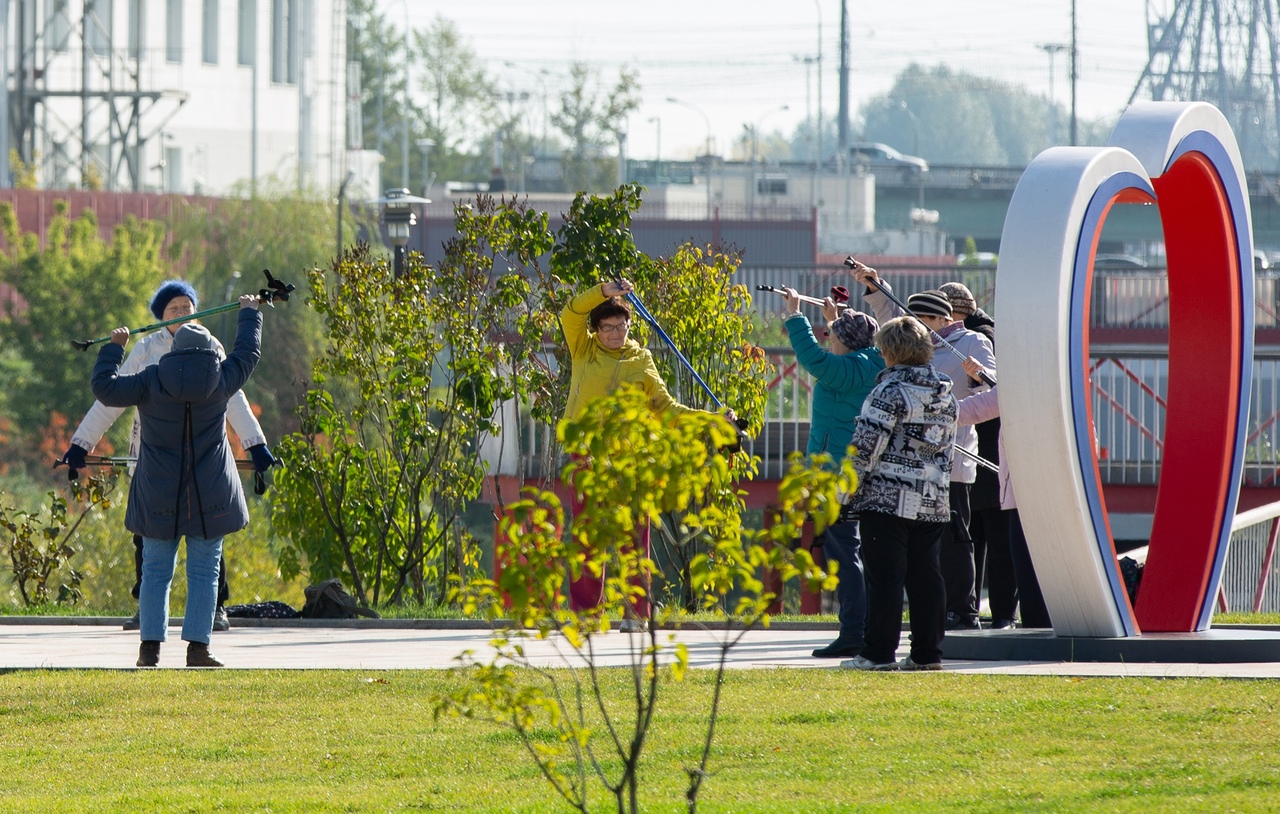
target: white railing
<point>1249,579</point>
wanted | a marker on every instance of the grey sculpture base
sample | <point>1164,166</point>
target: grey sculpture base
<point>1216,646</point>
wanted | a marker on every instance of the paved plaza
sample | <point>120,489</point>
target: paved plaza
<point>27,643</point>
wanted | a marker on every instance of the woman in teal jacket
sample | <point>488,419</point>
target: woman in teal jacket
<point>843,376</point>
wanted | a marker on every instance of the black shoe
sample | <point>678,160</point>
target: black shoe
<point>955,622</point>
<point>132,623</point>
<point>838,650</point>
<point>1003,624</point>
<point>198,655</point>
<point>149,654</point>
<point>220,620</point>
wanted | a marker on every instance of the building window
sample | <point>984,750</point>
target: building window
<point>209,41</point>
<point>246,51</point>
<point>771,185</point>
<point>137,28</point>
<point>284,45</point>
<point>173,31</point>
<point>99,23</point>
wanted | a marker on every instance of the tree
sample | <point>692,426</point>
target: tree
<point>288,233</point>
<point>590,118</point>
<point>961,118</point>
<point>77,286</point>
<point>461,100</point>
<point>631,466</point>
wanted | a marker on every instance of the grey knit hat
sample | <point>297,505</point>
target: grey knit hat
<point>929,304</point>
<point>192,335</point>
<point>854,329</point>
<point>962,301</point>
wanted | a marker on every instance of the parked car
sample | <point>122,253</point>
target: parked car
<point>1118,262</point>
<point>876,156</point>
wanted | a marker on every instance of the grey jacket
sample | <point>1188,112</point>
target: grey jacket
<point>904,440</point>
<point>186,481</point>
<point>948,364</point>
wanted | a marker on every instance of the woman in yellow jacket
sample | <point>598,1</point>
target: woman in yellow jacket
<point>596,323</point>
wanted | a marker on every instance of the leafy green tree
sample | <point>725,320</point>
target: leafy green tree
<point>590,116</point>
<point>632,466</point>
<point>75,286</point>
<point>226,246</point>
<point>461,109</point>
<point>961,118</point>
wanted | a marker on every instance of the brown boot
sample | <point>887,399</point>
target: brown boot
<point>149,654</point>
<point>198,655</point>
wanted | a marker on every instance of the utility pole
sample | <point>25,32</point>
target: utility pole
<point>843,124</point>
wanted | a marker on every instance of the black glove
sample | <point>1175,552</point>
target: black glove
<point>74,459</point>
<point>262,458</point>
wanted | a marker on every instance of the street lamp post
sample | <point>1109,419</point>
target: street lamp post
<point>673,100</point>
<point>657,153</point>
<point>399,217</point>
<point>342,204</point>
<point>425,145</point>
<point>1052,49</point>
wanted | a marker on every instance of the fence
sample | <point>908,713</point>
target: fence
<point>1249,574</point>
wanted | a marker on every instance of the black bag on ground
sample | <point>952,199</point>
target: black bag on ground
<point>274,609</point>
<point>330,600</point>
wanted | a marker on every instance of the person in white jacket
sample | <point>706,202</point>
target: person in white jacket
<point>173,299</point>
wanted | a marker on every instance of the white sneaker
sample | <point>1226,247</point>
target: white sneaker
<point>907,665</point>
<point>630,625</point>
<point>863,663</point>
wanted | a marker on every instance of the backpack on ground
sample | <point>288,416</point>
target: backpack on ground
<point>330,600</point>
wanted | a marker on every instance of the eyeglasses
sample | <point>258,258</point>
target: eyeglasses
<point>613,328</point>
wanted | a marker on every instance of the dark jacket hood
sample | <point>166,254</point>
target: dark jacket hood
<point>191,374</point>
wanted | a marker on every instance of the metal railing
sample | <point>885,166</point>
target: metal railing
<point>1249,574</point>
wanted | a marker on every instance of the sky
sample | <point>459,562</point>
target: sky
<point>736,62</point>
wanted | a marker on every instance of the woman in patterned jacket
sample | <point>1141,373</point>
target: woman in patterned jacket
<point>904,439</point>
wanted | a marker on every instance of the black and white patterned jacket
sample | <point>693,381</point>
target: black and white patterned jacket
<point>905,438</point>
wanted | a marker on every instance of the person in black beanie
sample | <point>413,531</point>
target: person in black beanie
<point>172,300</point>
<point>988,527</point>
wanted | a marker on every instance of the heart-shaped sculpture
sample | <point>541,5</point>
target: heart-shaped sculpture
<point>1184,158</point>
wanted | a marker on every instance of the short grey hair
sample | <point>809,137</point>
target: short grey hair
<point>904,341</point>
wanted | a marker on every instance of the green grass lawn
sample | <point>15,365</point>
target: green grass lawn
<point>789,740</point>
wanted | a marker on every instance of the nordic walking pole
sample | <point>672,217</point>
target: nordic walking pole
<point>275,290</point>
<point>839,294</point>
<point>854,264</point>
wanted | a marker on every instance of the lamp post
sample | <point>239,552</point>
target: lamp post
<point>755,132</point>
<point>425,145</point>
<point>342,204</point>
<point>657,159</point>
<point>1052,49</point>
<point>673,100</point>
<point>399,217</point>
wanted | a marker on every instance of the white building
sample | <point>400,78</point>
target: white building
<point>191,96</point>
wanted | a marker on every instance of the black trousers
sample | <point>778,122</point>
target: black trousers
<point>989,529</point>
<point>224,590</point>
<point>1034,612</point>
<point>957,558</point>
<point>898,553</point>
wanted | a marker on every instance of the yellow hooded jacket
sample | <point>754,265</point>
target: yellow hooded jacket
<point>597,371</point>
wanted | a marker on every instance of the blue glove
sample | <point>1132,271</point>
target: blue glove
<point>262,458</point>
<point>74,459</point>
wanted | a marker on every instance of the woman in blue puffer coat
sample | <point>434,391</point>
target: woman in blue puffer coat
<point>843,376</point>
<point>186,484</point>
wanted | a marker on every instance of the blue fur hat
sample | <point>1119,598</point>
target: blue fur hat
<point>171,289</point>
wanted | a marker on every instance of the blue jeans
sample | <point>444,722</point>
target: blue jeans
<point>159,558</point>
<point>841,545</point>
